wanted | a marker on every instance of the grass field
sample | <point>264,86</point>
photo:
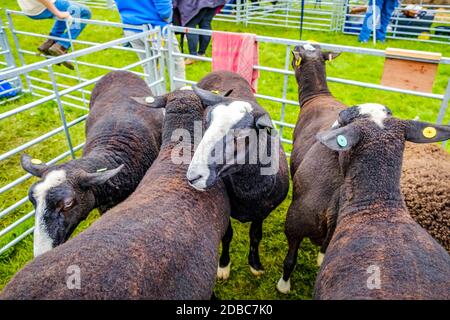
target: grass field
<point>242,285</point>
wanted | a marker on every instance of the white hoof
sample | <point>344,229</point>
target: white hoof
<point>223,273</point>
<point>284,286</point>
<point>320,258</point>
<point>255,272</point>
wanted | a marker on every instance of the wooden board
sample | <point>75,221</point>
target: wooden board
<point>407,74</point>
<point>414,54</point>
<point>402,72</point>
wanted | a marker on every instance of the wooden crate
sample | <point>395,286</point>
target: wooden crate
<point>401,71</point>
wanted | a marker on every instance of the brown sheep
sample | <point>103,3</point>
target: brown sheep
<point>123,139</point>
<point>378,251</point>
<point>314,206</point>
<point>162,242</point>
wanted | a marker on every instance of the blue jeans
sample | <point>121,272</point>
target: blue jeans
<point>59,28</point>
<point>385,8</point>
<point>203,20</point>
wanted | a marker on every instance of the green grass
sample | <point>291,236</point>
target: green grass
<point>242,284</point>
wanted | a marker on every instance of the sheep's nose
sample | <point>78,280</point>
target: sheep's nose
<point>194,179</point>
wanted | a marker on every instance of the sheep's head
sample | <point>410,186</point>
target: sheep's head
<point>372,128</point>
<point>233,130</point>
<point>62,199</point>
<point>311,53</point>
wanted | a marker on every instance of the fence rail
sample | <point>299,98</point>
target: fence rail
<point>9,87</point>
<point>49,87</point>
<point>71,91</point>
<point>432,23</point>
<point>286,73</point>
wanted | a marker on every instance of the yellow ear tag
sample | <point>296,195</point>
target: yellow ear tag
<point>36,161</point>
<point>215,91</point>
<point>299,60</point>
<point>429,132</point>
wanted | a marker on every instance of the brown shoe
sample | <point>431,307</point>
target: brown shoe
<point>43,48</point>
<point>188,61</point>
<point>58,50</point>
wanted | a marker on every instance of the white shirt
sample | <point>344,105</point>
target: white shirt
<point>32,7</point>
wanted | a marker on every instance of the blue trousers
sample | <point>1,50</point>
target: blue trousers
<point>59,28</point>
<point>385,8</point>
<point>203,20</point>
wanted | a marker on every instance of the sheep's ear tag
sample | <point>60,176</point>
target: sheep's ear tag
<point>36,161</point>
<point>149,99</point>
<point>215,91</point>
<point>341,141</point>
<point>330,57</point>
<point>102,170</point>
<point>429,132</point>
<point>298,61</point>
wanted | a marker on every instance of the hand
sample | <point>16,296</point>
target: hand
<point>63,15</point>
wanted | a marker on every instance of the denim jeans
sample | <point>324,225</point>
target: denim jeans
<point>203,20</point>
<point>59,28</point>
<point>385,8</point>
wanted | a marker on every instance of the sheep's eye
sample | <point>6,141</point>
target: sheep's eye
<point>68,205</point>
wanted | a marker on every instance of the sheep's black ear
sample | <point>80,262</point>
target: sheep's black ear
<point>329,55</point>
<point>152,102</point>
<point>341,139</point>
<point>264,122</point>
<point>33,166</point>
<point>423,132</point>
<point>101,176</point>
<point>209,98</point>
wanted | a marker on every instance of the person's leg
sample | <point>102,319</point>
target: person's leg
<point>77,11</point>
<point>193,38</point>
<point>386,14</point>
<point>180,69</point>
<point>205,23</point>
<point>46,14</point>
<point>366,29</point>
<point>148,67</point>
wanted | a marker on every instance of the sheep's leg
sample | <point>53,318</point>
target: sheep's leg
<point>255,238</point>
<point>284,284</point>
<point>223,271</point>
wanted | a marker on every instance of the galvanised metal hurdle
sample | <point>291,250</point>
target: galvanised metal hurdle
<point>98,4</point>
<point>434,26</point>
<point>323,15</point>
<point>7,63</point>
<point>282,101</point>
<point>52,89</point>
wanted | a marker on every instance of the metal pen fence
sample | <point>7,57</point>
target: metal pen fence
<point>60,99</point>
<point>98,4</point>
<point>282,101</point>
<point>9,88</point>
<point>431,23</point>
<point>318,15</point>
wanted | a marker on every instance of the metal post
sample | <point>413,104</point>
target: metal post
<point>444,104</point>
<point>18,49</point>
<point>285,85</point>
<point>77,69</point>
<point>61,110</point>
<point>374,21</point>
<point>4,45</point>
<point>302,13</point>
<point>170,59</point>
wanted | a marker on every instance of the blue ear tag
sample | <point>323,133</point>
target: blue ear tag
<point>341,141</point>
